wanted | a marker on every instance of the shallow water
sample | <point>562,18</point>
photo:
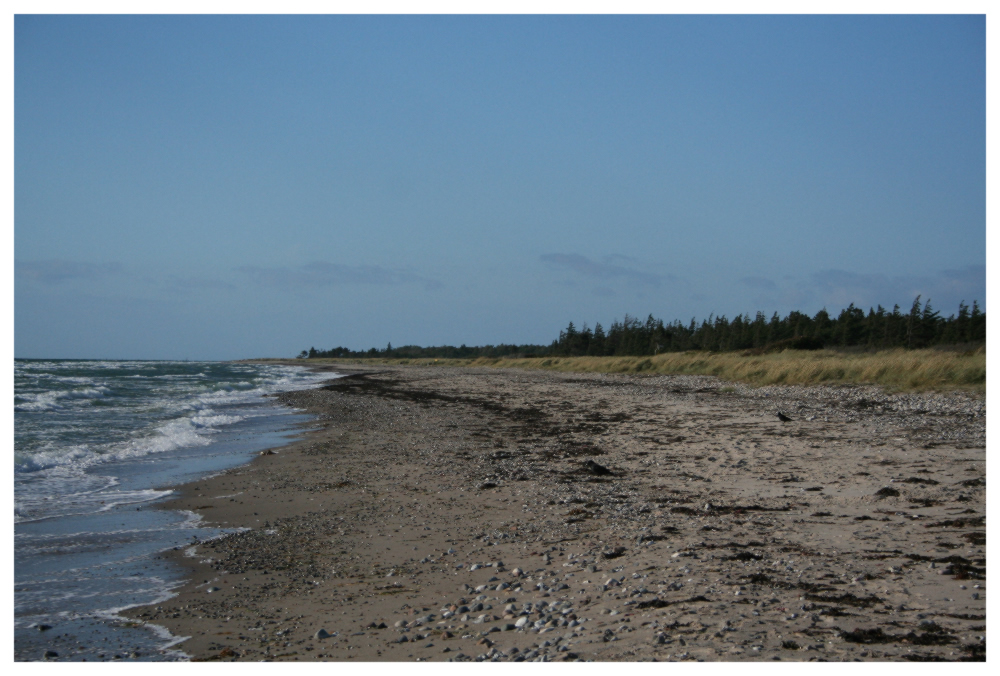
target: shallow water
<point>95,443</point>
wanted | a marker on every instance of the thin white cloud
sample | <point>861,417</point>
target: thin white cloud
<point>320,273</point>
<point>945,288</point>
<point>836,289</point>
<point>189,284</point>
<point>61,272</point>
<point>606,270</point>
<point>761,283</point>
<point>57,271</point>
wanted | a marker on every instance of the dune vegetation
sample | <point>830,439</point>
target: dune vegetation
<point>895,370</point>
<point>918,350</point>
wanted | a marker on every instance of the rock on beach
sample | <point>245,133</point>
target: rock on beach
<point>391,525</point>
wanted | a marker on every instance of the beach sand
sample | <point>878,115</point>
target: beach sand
<point>447,513</point>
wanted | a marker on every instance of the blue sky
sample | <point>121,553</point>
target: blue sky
<point>215,187</point>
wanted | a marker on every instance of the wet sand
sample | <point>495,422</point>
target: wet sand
<point>464,514</point>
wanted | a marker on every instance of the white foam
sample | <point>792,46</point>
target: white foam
<point>112,500</point>
<point>51,455</point>
<point>166,592</point>
<point>204,420</point>
<point>183,432</point>
<point>51,400</point>
<point>83,493</point>
<point>188,409</point>
<point>73,380</point>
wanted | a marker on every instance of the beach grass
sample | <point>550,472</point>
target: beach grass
<point>895,370</point>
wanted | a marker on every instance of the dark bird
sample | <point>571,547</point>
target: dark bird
<point>599,470</point>
<point>782,417</point>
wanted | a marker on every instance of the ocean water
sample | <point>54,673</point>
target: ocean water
<point>95,445</point>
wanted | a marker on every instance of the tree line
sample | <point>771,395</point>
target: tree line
<point>922,326</point>
<point>440,352</point>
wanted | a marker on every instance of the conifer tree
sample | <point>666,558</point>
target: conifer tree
<point>977,323</point>
<point>913,324</point>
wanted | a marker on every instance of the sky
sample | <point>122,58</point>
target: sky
<point>224,187</point>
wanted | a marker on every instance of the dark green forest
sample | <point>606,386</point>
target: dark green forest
<point>877,329</point>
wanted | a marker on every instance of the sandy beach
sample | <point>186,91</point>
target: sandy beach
<point>482,514</point>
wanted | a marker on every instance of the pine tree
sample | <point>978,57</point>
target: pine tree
<point>929,324</point>
<point>913,324</point>
<point>822,327</point>
<point>962,323</point>
<point>977,323</point>
<point>597,342</point>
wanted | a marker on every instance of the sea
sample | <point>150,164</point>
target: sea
<point>96,445</point>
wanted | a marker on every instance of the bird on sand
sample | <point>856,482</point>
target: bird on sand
<point>600,470</point>
<point>782,417</point>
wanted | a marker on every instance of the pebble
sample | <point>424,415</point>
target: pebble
<point>629,513</point>
<point>321,634</point>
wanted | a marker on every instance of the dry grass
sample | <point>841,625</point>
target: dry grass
<point>896,370</point>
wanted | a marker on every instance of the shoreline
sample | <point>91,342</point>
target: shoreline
<point>896,370</point>
<point>88,539</point>
<point>512,515</point>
